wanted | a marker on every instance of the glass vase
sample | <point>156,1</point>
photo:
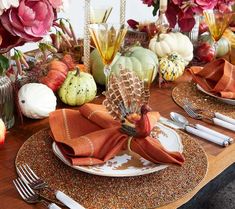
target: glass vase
<point>194,33</point>
<point>6,102</point>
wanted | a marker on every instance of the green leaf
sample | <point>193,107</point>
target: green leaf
<point>156,7</point>
<point>4,64</point>
<point>155,11</point>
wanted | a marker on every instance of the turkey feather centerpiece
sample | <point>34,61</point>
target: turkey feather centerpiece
<point>94,134</point>
<point>127,100</point>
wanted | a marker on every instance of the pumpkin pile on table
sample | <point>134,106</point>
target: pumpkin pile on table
<point>175,51</point>
<point>168,53</point>
<point>74,87</point>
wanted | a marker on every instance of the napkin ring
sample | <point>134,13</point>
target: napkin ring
<point>129,143</point>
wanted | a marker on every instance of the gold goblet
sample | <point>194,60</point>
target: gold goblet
<point>147,78</point>
<point>100,14</point>
<point>217,23</point>
<point>107,39</point>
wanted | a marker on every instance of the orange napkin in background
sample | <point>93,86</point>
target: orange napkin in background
<point>91,136</point>
<point>217,77</point>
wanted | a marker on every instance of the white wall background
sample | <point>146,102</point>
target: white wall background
<point>135,9</point>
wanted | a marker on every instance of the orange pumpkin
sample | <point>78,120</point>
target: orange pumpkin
<point>81,67</point>
<point>56,75</point>
<point>69,61</point>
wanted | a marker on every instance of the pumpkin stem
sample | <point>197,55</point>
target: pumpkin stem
<point>77,71</point>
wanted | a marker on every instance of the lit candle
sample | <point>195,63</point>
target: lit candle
<point>163,5</point>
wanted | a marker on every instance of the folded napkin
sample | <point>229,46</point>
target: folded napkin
<point>91,136</point>
<point>217,77</point>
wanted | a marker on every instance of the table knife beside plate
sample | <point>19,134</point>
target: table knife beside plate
<point>194,131</point>
<point>68,201</point>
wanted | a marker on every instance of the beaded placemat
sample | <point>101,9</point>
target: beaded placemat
<point>147,191</point>
<point>201,100</point>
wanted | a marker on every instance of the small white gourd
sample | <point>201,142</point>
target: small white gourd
<point>36,100</point>
<point>166,43</point>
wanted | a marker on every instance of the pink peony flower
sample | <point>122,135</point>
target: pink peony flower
<point>206,4</point>
<point>31,20</point>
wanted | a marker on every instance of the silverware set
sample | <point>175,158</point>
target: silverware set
<point>180,122</point>
<point>28,185</point>
<point>217,118</point>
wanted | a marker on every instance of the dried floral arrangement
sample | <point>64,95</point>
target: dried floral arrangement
<point>60,49</point>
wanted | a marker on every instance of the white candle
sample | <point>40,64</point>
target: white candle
<point>163,5</point>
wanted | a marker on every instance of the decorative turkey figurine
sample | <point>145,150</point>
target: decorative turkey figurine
<point>127,100</point>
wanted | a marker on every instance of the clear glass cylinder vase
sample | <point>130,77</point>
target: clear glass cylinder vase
<point>194,33</point>
<point>6,102</point>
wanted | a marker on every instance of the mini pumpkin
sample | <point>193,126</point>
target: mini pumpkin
<point>167,43</point>
<point>171,67</point>
<point>36,100</point>
<point>78,88</point>
<point>56,75</point>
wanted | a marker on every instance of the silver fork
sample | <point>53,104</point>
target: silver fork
<point>29,196</point>
<point>30,178</point>
<point>193,113</point>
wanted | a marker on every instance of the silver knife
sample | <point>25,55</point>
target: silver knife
<point>194,131</point>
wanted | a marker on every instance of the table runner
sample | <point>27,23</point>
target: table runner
<point>92,191</point>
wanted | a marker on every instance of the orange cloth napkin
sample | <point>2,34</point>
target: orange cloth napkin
<point>217,77</point>
<point>91,136</point>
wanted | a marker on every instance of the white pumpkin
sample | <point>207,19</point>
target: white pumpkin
<point>167,43</point>
<point>36,100</point>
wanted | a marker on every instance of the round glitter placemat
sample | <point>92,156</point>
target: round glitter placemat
<point>147,191</point>
<point>200,100</point>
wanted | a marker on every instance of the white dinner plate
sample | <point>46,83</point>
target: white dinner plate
<point>225,100</point>
<point>124,164</point>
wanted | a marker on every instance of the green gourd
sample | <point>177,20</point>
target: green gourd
<point>78,88</point>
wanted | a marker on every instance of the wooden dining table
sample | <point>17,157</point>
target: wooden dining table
<point>219,158</point>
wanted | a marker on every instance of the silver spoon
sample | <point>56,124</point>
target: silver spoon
<point>181,119</point>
